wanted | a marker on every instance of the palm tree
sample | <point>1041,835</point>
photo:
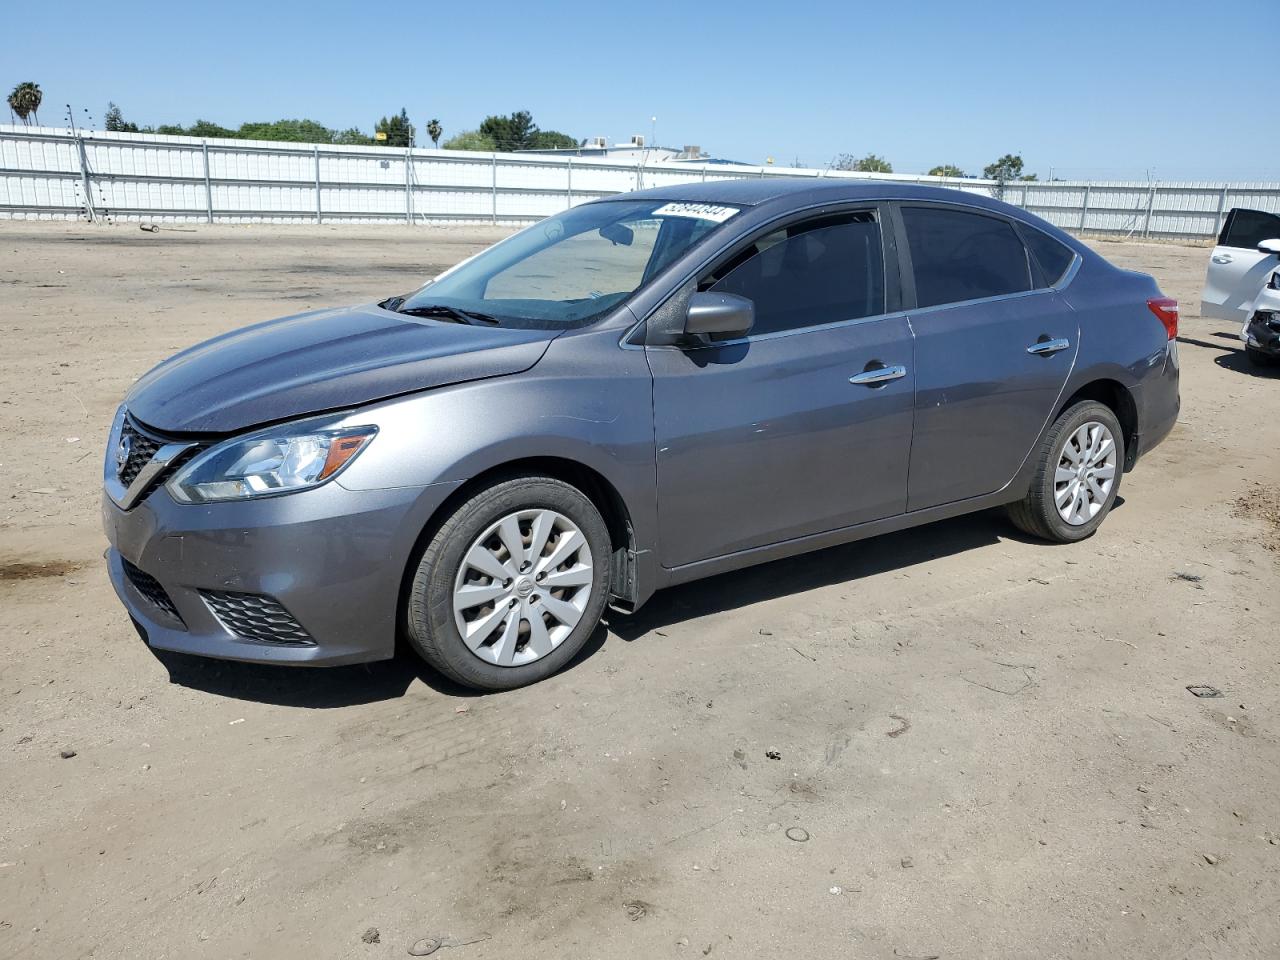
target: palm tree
<point>434,130</point>
<point>25,101</point>
<point>17,104</point>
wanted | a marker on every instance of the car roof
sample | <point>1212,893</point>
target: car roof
<point>754,191</point>
<point>791,191</point>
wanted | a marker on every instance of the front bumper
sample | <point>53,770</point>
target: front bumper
<point>1262,332</point>
<point>331,560</point>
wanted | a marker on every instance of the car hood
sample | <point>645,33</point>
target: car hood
<point>319,361</point>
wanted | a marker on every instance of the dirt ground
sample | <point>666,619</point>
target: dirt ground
<point>987,742</point>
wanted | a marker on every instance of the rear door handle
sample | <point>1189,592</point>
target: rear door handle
<point>1221,258</point>
<point>1046,347</point>
<point>878,375</point>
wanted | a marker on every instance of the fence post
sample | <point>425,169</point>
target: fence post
<point>1222,208</point>
<point>568,189</point>
<point>494,189</point>
<point>1084,206</point>
<point>1151,203</point>
<point>316,151</point>
<point>208,186</point>
<point>408,188</point>
<point>84,180</point>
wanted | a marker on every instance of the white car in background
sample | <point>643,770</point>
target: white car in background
<point>1243,281</point>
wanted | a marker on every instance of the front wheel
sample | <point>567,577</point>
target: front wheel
<point>1077,475</point>
<point>512,584</point>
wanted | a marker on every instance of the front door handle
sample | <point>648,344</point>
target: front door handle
<point>1046,347</point>
<point>878,375</point>
<point>1221,258</point>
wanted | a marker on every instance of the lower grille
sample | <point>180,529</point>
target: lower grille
<point>150,588</point>
<point>252,616</point>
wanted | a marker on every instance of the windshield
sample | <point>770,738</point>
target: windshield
<point>571,268</point>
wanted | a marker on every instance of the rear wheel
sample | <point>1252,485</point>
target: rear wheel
<point>511,585</point>
<point>1077,475</point>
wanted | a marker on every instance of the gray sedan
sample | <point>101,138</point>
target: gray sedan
<point>638,392</point>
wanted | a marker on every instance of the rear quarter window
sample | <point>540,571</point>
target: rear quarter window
<point>1053,256</point>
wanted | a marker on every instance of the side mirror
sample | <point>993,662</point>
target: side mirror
<point>1269,246</point>
<point>720,313</point>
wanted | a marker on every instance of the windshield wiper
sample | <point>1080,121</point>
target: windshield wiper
<point>444,312</point>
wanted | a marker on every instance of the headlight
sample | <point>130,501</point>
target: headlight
<point>269,463</point>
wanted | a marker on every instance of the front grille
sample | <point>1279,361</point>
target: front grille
<point>252,616</point>
<point>150,588</point>
<point>141,449</point>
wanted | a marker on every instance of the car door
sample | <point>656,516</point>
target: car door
<point>804,424</point>
<point>994,345</point>
<point>1237,268</point>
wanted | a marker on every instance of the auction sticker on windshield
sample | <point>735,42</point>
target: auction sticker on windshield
<point>699,211</point>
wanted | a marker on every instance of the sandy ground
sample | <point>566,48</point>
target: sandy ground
<point>987,741</point>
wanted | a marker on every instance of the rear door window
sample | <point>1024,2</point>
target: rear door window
<point>811,273</point>
<point>957,256</point>
<point>1248,228</point>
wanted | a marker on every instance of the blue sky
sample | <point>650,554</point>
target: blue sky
<point>1082,88</point>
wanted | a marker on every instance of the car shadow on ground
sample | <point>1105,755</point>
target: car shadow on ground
<point>1233,358</point>
<point>1237,362</point>
<point>846,563</point>
<point>330,687</point>
<point>315,688</point>
<point>321,688</point>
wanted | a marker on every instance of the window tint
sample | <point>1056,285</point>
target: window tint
<point>963,256</point>
<point>1248,228</point>
<point>808,274</point>
<point>1053,256</point>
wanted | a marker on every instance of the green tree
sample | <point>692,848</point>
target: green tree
<point>434,131</point>
<point>292,131</point>
<point>1008,167</point>
<point>553,140</point>
<point>871,163</point>
<point>399,130</point>
<point>351,137</point>
<point>114,120</point>
<point>470,140</point>
<point>208,129</point>
<point>513,132</point>
<point>25,101</point>
<point>946,170</point>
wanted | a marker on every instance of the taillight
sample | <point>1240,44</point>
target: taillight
<point>1166,311</point>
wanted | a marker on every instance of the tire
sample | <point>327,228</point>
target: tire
<point>479,530</point>
<point>1260,359</point>
<point>1038,514</point>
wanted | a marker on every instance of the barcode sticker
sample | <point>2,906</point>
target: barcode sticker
<point>698,211</point>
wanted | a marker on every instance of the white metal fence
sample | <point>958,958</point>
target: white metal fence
<point>52,173</point>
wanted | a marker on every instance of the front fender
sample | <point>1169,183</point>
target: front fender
<point>588,400</point>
